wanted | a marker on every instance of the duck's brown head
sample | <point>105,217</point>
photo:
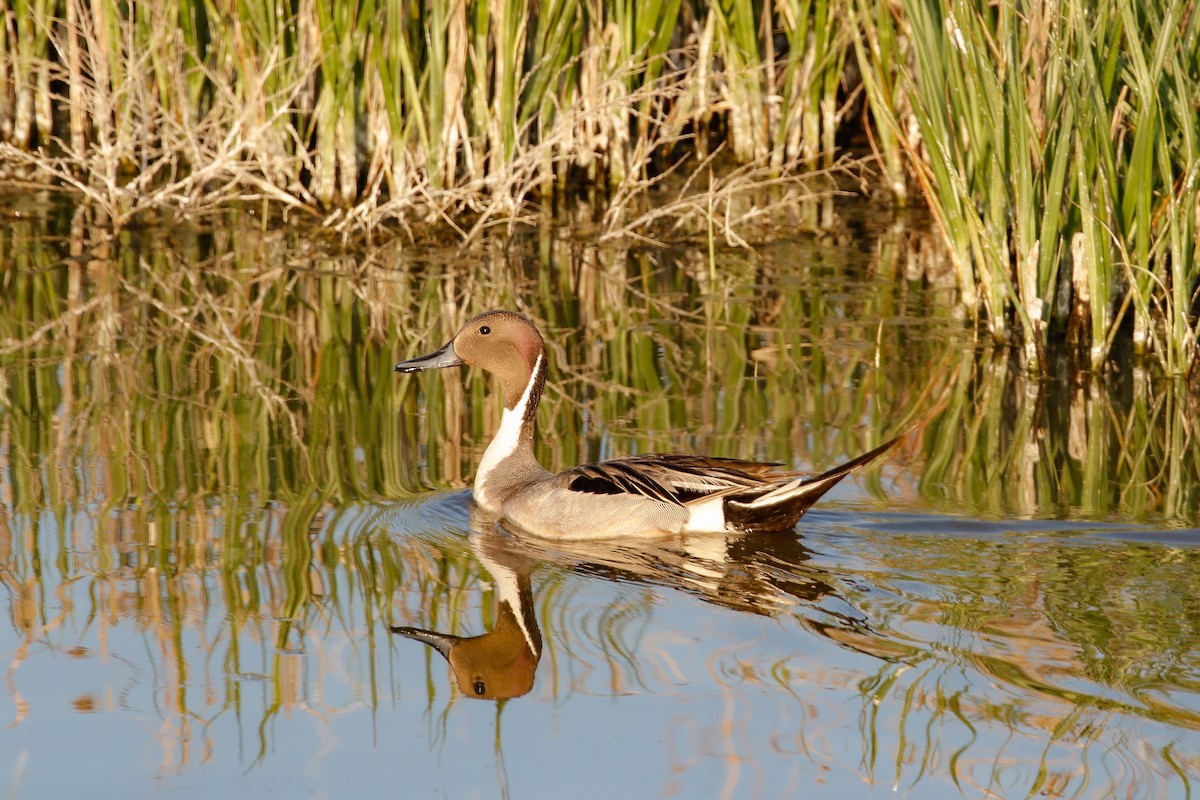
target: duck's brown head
<point>500,342</point>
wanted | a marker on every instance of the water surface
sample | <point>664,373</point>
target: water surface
<point>216,501</point>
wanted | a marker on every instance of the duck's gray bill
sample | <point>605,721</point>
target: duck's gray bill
<point>441,642</point>
<point>445,357</point>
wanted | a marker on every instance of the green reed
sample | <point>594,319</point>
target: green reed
<point>1057,149</point>
<point>1057,145</point>
<point>373,106</point>
<point>24,71</point>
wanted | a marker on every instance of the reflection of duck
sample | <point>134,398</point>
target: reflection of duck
<point>761,574</point>
<point>756,573</point>
<point>648,495</point>
<point>500,663</point>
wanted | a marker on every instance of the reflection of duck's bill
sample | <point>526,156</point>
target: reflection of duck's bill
<point>442,642</point>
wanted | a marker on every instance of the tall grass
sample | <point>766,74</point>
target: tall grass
<point>375,111</point>
<point>1058,150</point>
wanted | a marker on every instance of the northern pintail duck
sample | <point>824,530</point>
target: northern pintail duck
<point>647,495</point>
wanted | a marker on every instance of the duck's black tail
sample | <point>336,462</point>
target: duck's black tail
<point>781,508</point>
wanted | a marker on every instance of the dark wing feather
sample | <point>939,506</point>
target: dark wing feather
<point>616,477</point>
<point>674,478</point>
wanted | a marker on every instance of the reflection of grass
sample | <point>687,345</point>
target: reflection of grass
<point>14,783</point>
<point>1004,443</point>
<point>200,414</point>
<point>935,723</point>
<point>277,382</point>
<point>1073,637</point>
<point>195,415</point>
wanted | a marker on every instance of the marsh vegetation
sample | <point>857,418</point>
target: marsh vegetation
<point>779,230</point>
<point>1056,145</point>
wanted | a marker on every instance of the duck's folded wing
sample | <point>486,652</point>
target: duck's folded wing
<point>672,478</point>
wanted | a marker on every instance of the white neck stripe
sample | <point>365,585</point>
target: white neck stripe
<point>504,444</point>
<point>508,590</point>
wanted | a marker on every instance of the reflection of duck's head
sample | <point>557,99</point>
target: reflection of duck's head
<point>497,665</point>
<point>500,663</point>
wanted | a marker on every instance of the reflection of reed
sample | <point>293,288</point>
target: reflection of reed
<point>1052,626</point>
<point>1006,443</point>
<point>1008,630</point>
<point>187,422</point>
<point>223,355</point>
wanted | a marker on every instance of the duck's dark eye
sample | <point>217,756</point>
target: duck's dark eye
<point>479,687</point>
<point>485,330</point>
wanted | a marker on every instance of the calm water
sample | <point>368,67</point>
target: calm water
<point>216,500</point>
